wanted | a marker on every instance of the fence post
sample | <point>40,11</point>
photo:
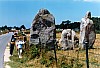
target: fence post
<point>87,60</point>
<point>55,54</point>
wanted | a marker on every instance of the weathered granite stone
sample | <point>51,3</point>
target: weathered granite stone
<point>43,29</point>
<point>87,31</point>
<point>68,38</point>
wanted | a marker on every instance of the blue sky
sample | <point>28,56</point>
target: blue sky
<point>22,12</point>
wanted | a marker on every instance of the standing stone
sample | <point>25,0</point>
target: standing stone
<point>87,31</point>
<point>43,29</point>
<point>68,39</point>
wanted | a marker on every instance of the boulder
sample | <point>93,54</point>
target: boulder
<point>68,39</point>
<point>42,30</point>
<point>87,31</point>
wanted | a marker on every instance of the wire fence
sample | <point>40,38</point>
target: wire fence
<point>79,57</point>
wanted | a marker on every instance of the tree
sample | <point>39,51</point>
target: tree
<point>66,24</point>
<point>96,21</point>
<point>5,27</point>
<point>22,27</point>
<point>62,25</point>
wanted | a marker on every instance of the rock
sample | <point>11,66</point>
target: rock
<point>87,31</point>
<point>68,38</point>
<point>92,36</point>
<point>43,29</point>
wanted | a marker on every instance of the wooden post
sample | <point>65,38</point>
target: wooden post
<point>55,53</point>
<point>87,60</point>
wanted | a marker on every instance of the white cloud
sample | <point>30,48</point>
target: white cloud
<point>88,0</point>
<point>91,0</point>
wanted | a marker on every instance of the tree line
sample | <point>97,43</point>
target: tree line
<point>64,25</point>
<point>76,25</point>
<point>10,28</point>
<point>68,25</point>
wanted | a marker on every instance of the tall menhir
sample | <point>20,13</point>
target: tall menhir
<point>42,30</point>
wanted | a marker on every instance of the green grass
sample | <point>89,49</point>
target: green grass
<point>19,62</point>
<point>33,58</point>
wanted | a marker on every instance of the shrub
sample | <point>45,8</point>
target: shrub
<point>34,52</point>
<point>97,31</point>
<point>47,59</point>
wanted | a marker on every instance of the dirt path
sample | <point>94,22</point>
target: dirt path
<point>6,57</point>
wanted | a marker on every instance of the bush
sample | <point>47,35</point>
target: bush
<point>58,31</point>
<point>66,62</point>
<point>34,52</point>
<point>98,31</point>
<point>47,59</point>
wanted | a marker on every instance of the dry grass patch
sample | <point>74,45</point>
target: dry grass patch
<point>65,59</point>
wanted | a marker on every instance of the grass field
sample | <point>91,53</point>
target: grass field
<point>65,59</point>
<point>94,54</point>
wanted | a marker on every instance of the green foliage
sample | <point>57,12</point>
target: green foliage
<point>96,21</point>
<point>19,34</point>
<point>68,62</point>
<point>34,52</point>
<point>98,31</point>
<point>22,27</point>
<point>16,62</point>
<point>47,59</point>
<point>68,25</point>
<point>58,31</point>
<point>43,61</point>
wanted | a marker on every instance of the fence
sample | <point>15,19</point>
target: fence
<point>77,58</point>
